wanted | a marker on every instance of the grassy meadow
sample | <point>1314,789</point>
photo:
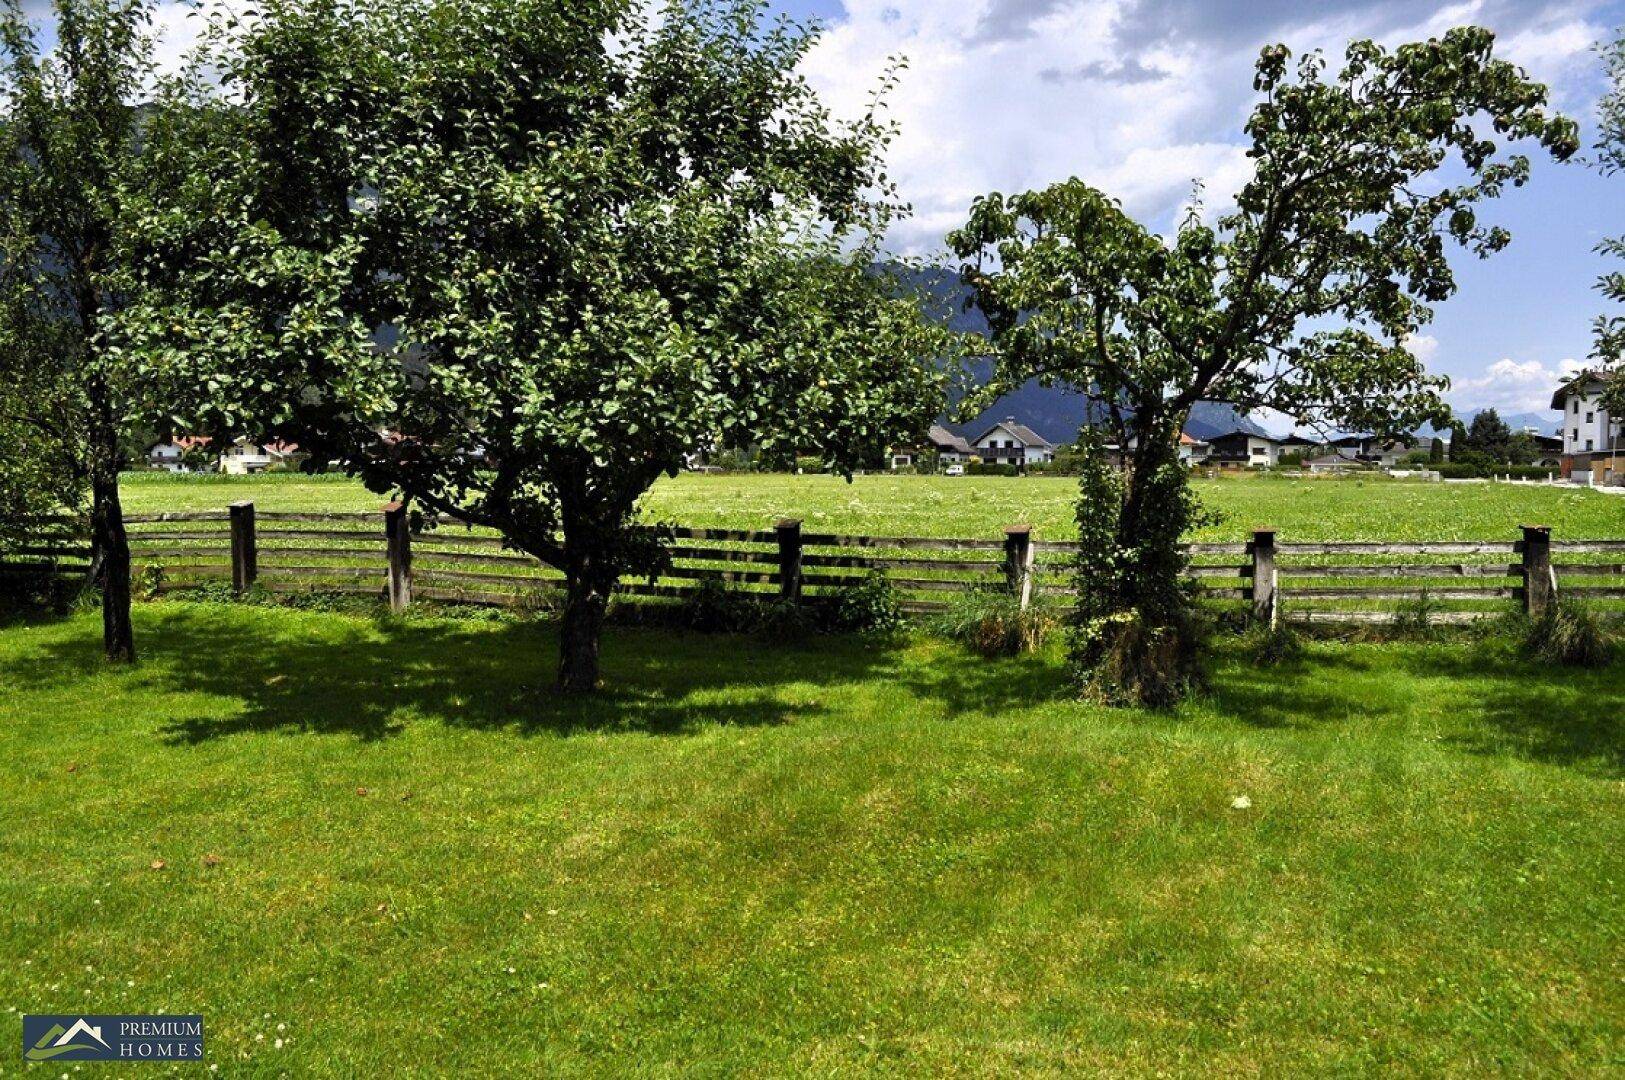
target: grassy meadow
<point>980,506</point>
<point>367,845</point>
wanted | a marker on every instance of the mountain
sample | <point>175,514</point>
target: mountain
<point>1546,423</point>
<point>1055,412</point>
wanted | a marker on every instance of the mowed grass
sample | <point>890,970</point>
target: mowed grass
<point>389,845</point>
<point>981,506</point>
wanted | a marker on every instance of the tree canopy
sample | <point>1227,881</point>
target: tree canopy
<point>1609,351</point>
<point>1300,298</point>
<point>70,148</point>
<point>516,258</point>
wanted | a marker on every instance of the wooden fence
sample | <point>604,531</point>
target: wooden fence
<point>396,556</point>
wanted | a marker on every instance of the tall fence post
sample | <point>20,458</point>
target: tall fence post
<point>1266,609</point>
<point>398,533</point>
<point>1539,582</point>
<point>1018,563</point>
<point>244,552</point>
<point>789,531</point>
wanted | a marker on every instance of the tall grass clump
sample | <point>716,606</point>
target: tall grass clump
<point>1569,634</point>
<point>991,622</point>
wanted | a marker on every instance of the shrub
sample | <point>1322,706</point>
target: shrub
<point>716,607</point>
<point>1138,663</point>
<point>992,623</point>
<point>1414,618</point>
<point>870,605</point>
<point>1273,646</point>
<point>783,620</point>
<point>983,468</point>
<point>1569,634</point>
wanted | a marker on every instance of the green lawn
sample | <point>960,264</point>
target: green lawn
<point>385,843</point>
<point>978,506</point>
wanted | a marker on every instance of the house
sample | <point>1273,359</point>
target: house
<point>1010,443</point>
<point>1243,449</point>
<point>950,449</point>
<point>1592,450</point>
<point>1334,463</point>
<point>1375,450</point>
<point>1548,449</point>
<point>177,454</point>
<point>246,456</point>
<point>1302,445</point>
<point>1193,451</point>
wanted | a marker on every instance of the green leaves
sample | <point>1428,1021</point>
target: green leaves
<point>517,258</point>
<point>1343,222</point>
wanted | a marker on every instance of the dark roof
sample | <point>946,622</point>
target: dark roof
<point>943,439</point>
<point>1244,434</point>
<point>1582,382</point>
<point>1027,435</point>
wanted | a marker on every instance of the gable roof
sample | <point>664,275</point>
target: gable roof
<point>1243,433</point>
<point>1583,382</point>
<point>1024,434</point>
<point>943,439</point>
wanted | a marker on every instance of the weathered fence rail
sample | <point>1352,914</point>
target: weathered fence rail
<point>398,557</point>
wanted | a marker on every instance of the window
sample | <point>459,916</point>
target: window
<point>1588,444</point>
<point>1590,418</point>
<point>1576,406</point>
<point>1575,434</point>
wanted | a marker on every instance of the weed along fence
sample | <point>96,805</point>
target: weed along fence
<point>398,556</point>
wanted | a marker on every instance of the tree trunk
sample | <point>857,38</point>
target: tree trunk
<point>111,546</point>
<point>586,600</point>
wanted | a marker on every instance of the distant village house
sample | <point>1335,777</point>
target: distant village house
<point>1010,443</point>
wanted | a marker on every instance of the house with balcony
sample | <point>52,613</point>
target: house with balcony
<point>1010,443</point>
<point>1592,450</point>
<point>1243,450</point>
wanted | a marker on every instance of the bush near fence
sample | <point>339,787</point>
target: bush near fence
<point>398,556</point>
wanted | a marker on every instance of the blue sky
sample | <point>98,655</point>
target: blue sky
<point>1142,96</point>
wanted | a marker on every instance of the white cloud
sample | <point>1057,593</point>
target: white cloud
<point>1425,347</point>
<point>1513,386</point>
<point>1005,95</point>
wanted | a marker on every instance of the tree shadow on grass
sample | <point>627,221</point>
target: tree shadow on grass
<point>1557,715</point>
<point>1508,705</point>
<point>964,684</point>
<point>367,679</point>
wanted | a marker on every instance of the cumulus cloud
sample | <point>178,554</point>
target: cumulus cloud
<point>1139,97</point>
<point>1423,346</point>
<point>1512,386</point>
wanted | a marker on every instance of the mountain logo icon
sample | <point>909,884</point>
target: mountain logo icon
<point>60,1040</point>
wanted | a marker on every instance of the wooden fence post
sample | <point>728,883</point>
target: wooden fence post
<point>789,531</point>
<point>398,534</point>
<point>1018,563</point>
<point>244,553</point>
<point>1266,609</point>
<point>1539,583</point>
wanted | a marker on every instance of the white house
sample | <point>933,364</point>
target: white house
<point>1591,438</point>
<point>1243,448</point>
<point>1010,443</point>
<point>1192,451</point>
<point>245,456</point>
<point>170,454</point>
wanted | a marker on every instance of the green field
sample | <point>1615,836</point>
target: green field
<point>975,506</point>
<point>384,843</point>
